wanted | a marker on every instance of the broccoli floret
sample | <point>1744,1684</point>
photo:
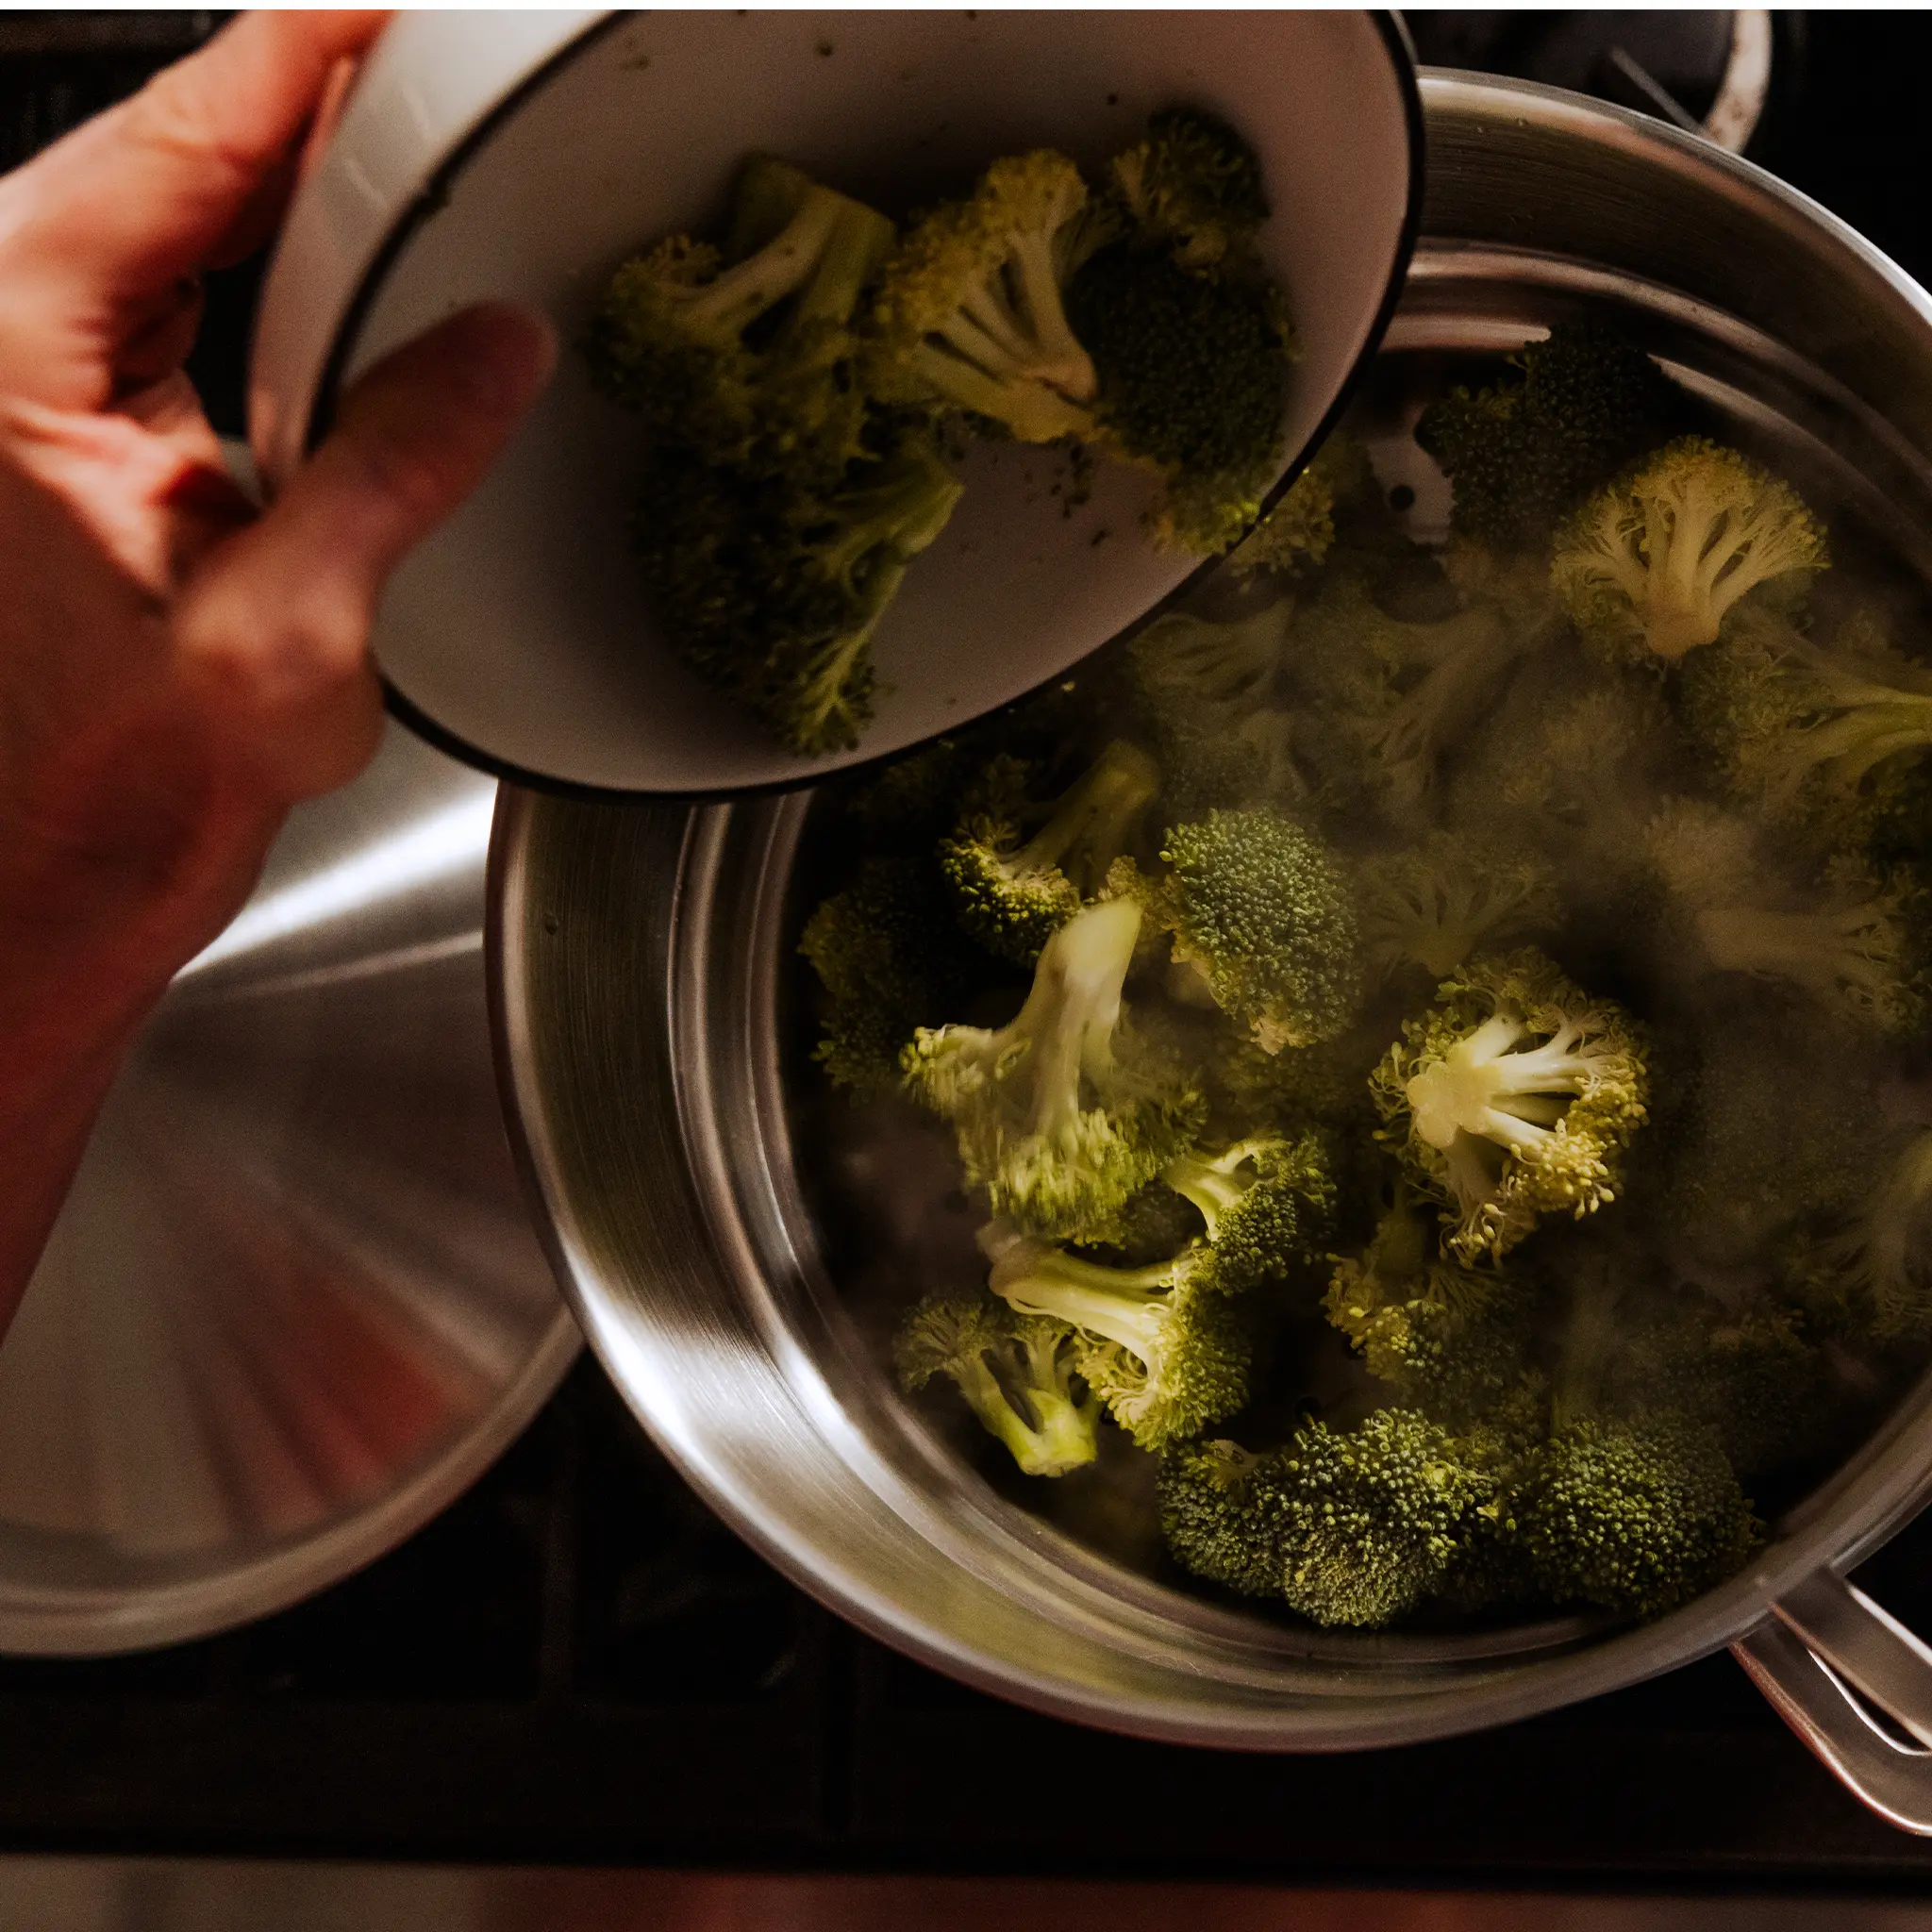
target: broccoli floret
<point>1204,692</point>
<point>1012,896</point>
<point>778,508</point>
<point>1571,770</point>
<point>878,950</point>
<point>1058,1116</point>
<point>1775,1142</point>
<point>1456,1342</point>
<point>1191,186</point>
<point>1753,1375</point>
<point>1163,1351</point>
<point>1515,1095</point>
<point>1573,409</point>
<point>969,314</point>
<point>1219,1524</point>
<point>1192,382</point>
<point>1351,1529</point>
<point>1016,1373</point>
<point>1260,910</point>
<point>1635,1517</point>
<point>749,361</point>
<point>1150,1227</point>
<point>1265,1202</point>
<point>1829,741</point>
<point>1874,1271</point>
<point>1403,692</point>
<point>1299,1086</point>
<point>1297,534</point>
<point>1653,565</point>
<point>772,586</point>
<point>1434,904</point>
<point>1181,658</point>
<point>1850,949</point>
<point>1191,339</point>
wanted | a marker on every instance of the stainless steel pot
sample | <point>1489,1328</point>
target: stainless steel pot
<point>638,956</point>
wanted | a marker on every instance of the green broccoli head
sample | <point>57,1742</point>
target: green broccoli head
<point>1297,534</point>
<point>1193,374</point>
<point>1016,1374</point>
<point>1374,1516</point>
<point>1265,1202</point>
<point>1217,1523</point>
<point>879,952</point>
<point>1652,566</point>
<point>1261,909</point>
<point>1163,1351</point>
<point>1350,1528</point>
<point>670,338</point>
<point>1432,904</point>
<point>1752,1373</point>
<point>1456,1343</point>
<point>1015,889</point>
<point>1192,187</point>
<point>1515,1095</point>
<point>770,583</point>
<point>1767,1144</point>
<point>1058,1115</point>
<point>969,312</point>
<point>1634,1517</point>
<point>1571,410</point>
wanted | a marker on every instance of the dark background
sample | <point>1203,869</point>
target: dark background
<point>576,1662</point>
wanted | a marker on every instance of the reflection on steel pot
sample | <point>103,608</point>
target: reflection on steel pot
<point>639,955</point>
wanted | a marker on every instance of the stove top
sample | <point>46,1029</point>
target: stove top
<point>578,1662</point>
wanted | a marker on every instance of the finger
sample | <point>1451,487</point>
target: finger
<point>148,192</point>
<point>278,616</point>
<point>158,348</point>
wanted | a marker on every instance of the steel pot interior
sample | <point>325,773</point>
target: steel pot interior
<point>640,954</point>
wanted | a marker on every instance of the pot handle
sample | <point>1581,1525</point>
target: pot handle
<point>1823,1642</point>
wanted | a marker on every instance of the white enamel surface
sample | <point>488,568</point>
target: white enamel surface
<point>431,78</point>
<point>522,628</point>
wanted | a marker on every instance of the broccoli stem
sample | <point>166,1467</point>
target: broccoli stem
<point>1035,411</point>
<point>1062,1428</point>
<point>892,518</point>
<point>1060,1436</point>
<point>1093,822</point>
<point>1878,719</point>
<point>1126,1305</point>
<point>1211,1183</point>
<point>1055,355</point>
<point>1481,1087</point>
<point>1071,1013</point>
<point>1821,950</point>
<point>719,312</point>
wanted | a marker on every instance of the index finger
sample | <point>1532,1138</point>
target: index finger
<point>147,192</point>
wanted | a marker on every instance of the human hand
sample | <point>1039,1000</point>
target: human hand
<point>175,669</point>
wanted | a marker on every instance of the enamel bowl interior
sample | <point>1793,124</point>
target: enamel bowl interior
<point>521,633</point>
<point>642,956</point>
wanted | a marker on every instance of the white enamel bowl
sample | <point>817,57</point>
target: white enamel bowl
<point>523,155</point>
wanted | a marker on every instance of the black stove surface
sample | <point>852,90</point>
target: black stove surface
<point>578,1662</point>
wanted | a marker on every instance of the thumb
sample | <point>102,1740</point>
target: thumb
<point>273,626</point>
